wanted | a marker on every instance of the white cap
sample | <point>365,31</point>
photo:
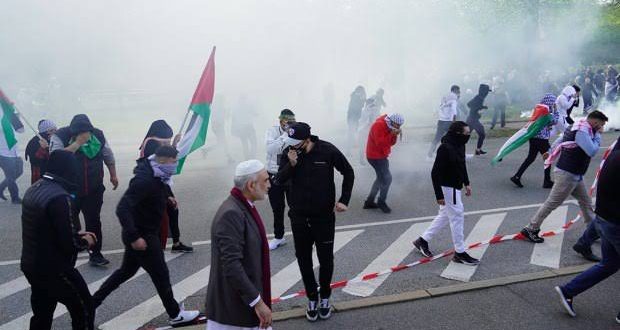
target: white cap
<point>249,167</point>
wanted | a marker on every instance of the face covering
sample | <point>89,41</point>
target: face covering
<point>163,171</point>
<point>462,139</point>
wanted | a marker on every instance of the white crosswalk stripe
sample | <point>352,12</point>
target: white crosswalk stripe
<point>21,283</point>
<point>23,321</point>
<point>484,229</point>
<point>290,275</point>
<point>392,256</point>
<point>548,253</point>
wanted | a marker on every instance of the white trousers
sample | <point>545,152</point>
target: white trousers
<point>451,213</point>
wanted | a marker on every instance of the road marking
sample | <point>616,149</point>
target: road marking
<point>23,321</point>
<point>484,229</point>
<point>153,307</point>
<point>355,226</point>
<point>21,283</point>
<point>548,253</point>
<point>390,257</point>
<point>290,275</point>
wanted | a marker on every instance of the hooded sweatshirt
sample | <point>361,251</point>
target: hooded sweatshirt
<point>449,169</point>
<point>565,101</point>
<point>380,140</point>
<point>477,103</point>
<point>159,130</point>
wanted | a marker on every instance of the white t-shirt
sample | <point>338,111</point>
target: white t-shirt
<point>448,107</point>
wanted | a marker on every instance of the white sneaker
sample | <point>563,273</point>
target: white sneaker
<point>184,317</point>
<point>276,243</point>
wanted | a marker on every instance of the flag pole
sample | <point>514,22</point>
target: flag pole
<point>184,121</point>
<point>28,123</point>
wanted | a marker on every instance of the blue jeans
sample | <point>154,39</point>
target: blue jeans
<point>589,236</point>
<point>382,182</point>
<point>610,262</point>
<point>13,168</point>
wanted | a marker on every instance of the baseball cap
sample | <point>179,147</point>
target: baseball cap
<point>297,133</point>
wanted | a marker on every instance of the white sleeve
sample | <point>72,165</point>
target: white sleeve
<point>56,143</point>
<point>274,142</point>
<point>454,108</point>
<point>253,303</point>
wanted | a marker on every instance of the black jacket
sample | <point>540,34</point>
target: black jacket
<point>313,192</point>
<point>141,208</point>
<point>90,174</point>
<point>449,169</point>
<point>37,155</point>
<point>477,103</point>
<point>607,206</point>
<point>50,243</point>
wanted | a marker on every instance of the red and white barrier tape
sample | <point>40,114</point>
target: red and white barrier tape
<point>494,240</point>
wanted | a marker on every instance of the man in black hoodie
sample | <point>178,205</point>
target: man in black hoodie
<point>309,164</point>
<point>50,246</point>
<point>140,211</point>
<point>91,151</point>
<point>473,120</point>
<point>449,177</point>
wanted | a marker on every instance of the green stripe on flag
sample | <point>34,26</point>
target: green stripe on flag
<point>203,110</point>
<point>532,130</point>
<point>7,111</point>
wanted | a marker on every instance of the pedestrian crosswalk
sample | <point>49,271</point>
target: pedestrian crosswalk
<point>286,277</point>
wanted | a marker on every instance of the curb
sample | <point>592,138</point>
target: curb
<point>429,293</point>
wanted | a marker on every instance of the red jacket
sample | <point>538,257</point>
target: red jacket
<point>380,140</point>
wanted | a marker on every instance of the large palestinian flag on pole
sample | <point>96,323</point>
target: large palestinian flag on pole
<point>539,119</point>
<point>200,108</point>
<point>6,117</point>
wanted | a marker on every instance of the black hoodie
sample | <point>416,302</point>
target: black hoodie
<point>159,129</point>
<point>449,169</point>
<point>607,190</point>
<point>141,208</point>
<point>477,103</point>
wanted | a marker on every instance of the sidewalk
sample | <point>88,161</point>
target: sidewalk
<point>518,302</point>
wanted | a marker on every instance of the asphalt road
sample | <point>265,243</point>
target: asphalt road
<point>497,206</point>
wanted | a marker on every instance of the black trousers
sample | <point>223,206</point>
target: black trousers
<point>152,260</point>
<point>382,182</point>
<point>278,195</point>
<point>67,288</point>
<point>319,232</point>
<point>442,129</point>
<point>499,111</point>
<point>173,217</point>
<point>477,126</point>
<point>537,146</point>
<point>90,207</point>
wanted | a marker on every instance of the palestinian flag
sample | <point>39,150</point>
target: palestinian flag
<point>8,112</point>
<point>196,133</point>
<point>539,119</point>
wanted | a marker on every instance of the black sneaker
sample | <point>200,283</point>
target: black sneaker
<point>422,246</point>
<point>97,260</point>
<point>368,205</point>
<point>384,208</point>
<point>181,248</point>
<point>548,185</point>
<point>567,303</point>
<point>480,152</point>
<point>465,259</point>
<point>532,235</point>
<point>325,309</point>
<point>312,312</point>
<point>516,181</point>
<point>586,253</point>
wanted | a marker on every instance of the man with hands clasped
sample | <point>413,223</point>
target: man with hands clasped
<point>309,164</point>
<point>449,176</point>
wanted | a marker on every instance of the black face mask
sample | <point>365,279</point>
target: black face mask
<point>461,138</point>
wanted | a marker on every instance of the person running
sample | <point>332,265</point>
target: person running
<point>383,135</point>
<point>449,176</point>
<point>569,111</point>
<point>473,119</point>
<point>565,101</point>
<point>607,223</point>
<point>50,246</point>
<point>91,151</point>
<point>539,145</point>
<point>160,133</point>
<point>574,151</point>
<point>448,111</point>
<point>309,164</point>
<point>140,211</point>
<point>278,193</point>
<point>11,164</point>
<point>37,149</point>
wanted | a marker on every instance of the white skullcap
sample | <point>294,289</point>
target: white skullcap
<point>249,167</point>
